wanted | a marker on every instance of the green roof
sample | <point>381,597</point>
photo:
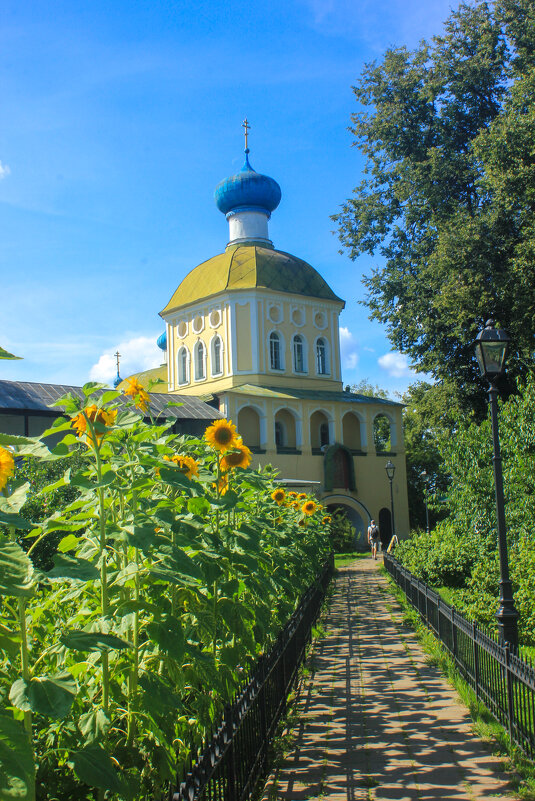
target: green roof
<point>308,394</point>
<point>250,267</point>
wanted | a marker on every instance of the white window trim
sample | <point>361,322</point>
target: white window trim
<point>327,356</point>
<point>221,357</point>
<point>282,350</point>
<point>304,343</point>
<point>196,347</point>
<point>188,358</point>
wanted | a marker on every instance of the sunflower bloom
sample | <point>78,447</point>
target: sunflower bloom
<point>308,508</point>
<point>222,436</point>
<point>302,496</point>
<point>187,464</point>
<point>138,392</point>
<point>7,467</point>
<point>102,417</point>
<point>278,496</point>
<point>222,485</point>
<point>327,520</point>
<point>292,494</point>
<point>241,456</point>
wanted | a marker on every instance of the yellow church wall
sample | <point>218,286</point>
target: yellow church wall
<point>244,345</point>
<point>372,485</point>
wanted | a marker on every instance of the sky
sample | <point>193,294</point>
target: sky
<point>117,121</point>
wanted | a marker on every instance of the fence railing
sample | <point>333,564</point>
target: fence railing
<point>231,763</point>
<point>500,678</point>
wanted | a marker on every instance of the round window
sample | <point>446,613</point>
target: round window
<point>319,320</point>
<point>197,324</point>
<point>182,329</point>
<point>274,314</point>
<point>297,316</point>
<point>215,318</point>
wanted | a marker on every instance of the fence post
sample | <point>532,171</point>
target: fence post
<point>438,617</point>
<point>231,759</point>
<point>453,634</point>
<point>426,606</point>
<point>476,658</point>
<point>509,685</point>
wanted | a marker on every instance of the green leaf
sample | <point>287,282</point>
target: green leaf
<point>5,354</point>
<point>16,521</point>
<point>174,477</point>
<point>93,641</point>
<point>73,567</point>
<point>234,614</point>
<point>143,537</point>
<point>9,641</point>
<point>17,772</point>
<point>47,695</point>
<point>108,396</point>
<point>158,695</point>
<point>93,766</point>
<point>169,636</point>
<point>91,387</point>
<point>198,506</point>
<point>25,446</point>
<point>16,571</point>
<point>179,562</point>
<point>68,543</point>
<point>93,725</point>
<point>14,502</point>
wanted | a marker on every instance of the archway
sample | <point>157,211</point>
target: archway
<point>249,427</point>
<point>357,518</point>
<point>285,430</point>
<point>351,432</point>
<point>339,468</point>
<point>319,430</point>
<point>385,527</point>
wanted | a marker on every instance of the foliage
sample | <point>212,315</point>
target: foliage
<point>461,552</point>
<point>447,198</point>
<point>171,577</point>
<point>343,534</point>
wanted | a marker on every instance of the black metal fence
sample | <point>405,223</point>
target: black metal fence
<point>231,763</point>
<point>504,681</point>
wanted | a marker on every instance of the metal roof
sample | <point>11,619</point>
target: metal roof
<point>29,396</point>
<point>290,393</point>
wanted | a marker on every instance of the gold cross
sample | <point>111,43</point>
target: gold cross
<point>246,126</point>
<point>117,356</point>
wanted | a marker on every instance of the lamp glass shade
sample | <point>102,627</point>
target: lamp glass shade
<point>491,348</point>
<point>390,470</point>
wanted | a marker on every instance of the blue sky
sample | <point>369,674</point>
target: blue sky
<point>117,121</point>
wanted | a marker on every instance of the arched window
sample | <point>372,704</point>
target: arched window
<point>199,361</point>
<point>183,366</point>
<point>217,368</point>
<point>322,366</point>
<point>275,351</point>
<point>382,433</point>
<point>299,354</point>
<point>324,434</point>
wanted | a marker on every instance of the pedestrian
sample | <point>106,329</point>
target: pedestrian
<point>373,537</point>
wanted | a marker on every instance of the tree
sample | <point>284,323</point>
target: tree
<point>449,191</point>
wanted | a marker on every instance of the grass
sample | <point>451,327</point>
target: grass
<point>521,770</point>
<point>343,559</point>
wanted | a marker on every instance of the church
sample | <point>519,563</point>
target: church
<point>254,331</point>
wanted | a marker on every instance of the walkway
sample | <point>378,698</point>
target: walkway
<point>375,720</point>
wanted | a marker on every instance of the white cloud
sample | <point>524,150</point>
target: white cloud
<point>137,354</point>
<point>348,349</point>
<point>4,171</point>
<point>395,364</point>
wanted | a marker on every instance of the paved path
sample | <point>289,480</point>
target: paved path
<point>375,720</point>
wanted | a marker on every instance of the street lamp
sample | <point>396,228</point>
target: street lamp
<point>425,478</point>
<point>390,470</point>
<point>491,347</point>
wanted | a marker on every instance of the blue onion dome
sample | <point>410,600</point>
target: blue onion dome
<point>162,341</point>
<point>248,190</point>
<point>117,380</point>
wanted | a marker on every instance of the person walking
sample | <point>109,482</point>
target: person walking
<point>373,537</point>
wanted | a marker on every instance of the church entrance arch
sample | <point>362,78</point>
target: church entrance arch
<point>249,427</point>
<point>356,513</point>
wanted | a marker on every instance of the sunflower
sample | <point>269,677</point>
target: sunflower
<point>302,496</point>
<point>278,496</point>
<point>188,465</point>
<point>222,485</point>
<point>327,520</point>
<point>7,466</point>
<point>222,436</point>
<point>100,417</point>
<point>292,494</point>
<point>240,456</point>
<point>135,390</point>
<point>308,508</point>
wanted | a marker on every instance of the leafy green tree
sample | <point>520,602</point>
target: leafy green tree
<point>448,194</point>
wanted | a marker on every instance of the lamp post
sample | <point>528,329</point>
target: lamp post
<point>491,347</point>
<point>390,470</point>
<point>425,478</point>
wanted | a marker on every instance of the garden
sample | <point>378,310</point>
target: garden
<point>142,575</point>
